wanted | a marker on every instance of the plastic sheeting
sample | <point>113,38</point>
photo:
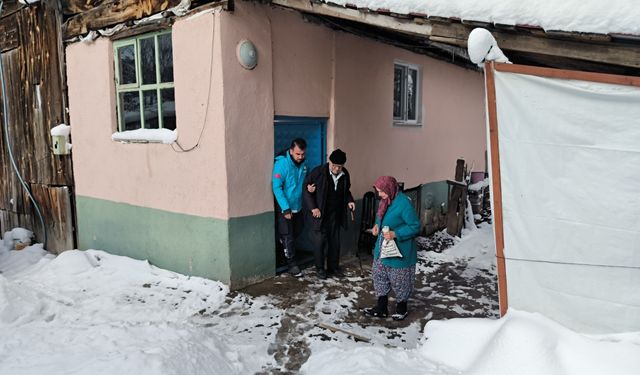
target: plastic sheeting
<point>570,174</point>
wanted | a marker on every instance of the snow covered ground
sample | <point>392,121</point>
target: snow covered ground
<point>95,313</point>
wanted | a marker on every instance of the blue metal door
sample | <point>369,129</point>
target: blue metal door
<point>312,129</point>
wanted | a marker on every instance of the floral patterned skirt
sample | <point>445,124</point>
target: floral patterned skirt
<point>400,280</point>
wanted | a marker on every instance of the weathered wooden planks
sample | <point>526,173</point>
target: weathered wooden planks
<point>110,13</point>
<point>457,200</point>
<point>79,6</point>
<point>36,100</point>
<point>8,34</point>
<point>57,217</point>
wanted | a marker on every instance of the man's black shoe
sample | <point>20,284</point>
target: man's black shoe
<point>295,271</point>
<point>322,274</point>
<point>337,273</point>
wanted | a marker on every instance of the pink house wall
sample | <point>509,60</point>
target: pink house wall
<point>302,65</point>
<point>320,72</point>
<point>153,175</point>
<point>303,70</point>
<point>452,116</point>
<point>248,111</point>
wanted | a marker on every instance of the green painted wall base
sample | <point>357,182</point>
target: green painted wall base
<point>252,250</point>
<point>239,251</point>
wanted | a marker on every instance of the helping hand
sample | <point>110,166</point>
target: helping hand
<point>375,230</point>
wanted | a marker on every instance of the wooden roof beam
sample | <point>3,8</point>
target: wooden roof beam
<point>113,12</point>
<point>579,46</point>
<point>627,55</point>
<point>388,22</point>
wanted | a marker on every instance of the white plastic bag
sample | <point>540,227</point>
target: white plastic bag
<point>389,249</point>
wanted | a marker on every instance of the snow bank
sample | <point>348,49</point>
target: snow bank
<point>367,360</point>
<point>476,248</point>
<point>520,343</point>
<point>479,185</point>
<point>91,312</point>
<point>14,237</point>
<point>527,343</point>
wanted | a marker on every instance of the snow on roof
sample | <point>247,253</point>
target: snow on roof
<point>587,16</point>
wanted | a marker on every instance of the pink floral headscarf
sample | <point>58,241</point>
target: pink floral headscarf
<point>389,185</point>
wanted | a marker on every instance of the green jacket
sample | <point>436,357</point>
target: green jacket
<point>402,219</point>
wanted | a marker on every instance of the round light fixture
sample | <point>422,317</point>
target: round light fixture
<point>247,54</point>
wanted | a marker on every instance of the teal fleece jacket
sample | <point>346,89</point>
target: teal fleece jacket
<point>402,219</point>
<point>287,180</point>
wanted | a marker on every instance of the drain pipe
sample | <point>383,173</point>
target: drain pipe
<point>8,143</point>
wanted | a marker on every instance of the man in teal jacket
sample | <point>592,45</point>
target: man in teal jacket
<point>289,172</point>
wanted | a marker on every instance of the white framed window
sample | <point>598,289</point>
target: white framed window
<point>407,106</point>
<point>145,97</point>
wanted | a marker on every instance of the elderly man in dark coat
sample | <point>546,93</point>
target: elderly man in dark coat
<point>327,202</point>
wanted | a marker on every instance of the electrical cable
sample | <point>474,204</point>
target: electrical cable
<point>8,143</point>
<point>206,109</point>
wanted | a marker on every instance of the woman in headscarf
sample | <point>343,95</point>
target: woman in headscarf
<point>397,273</point>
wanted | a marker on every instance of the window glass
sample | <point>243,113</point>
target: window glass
<point>130,110</point>
<point>148,60</point>
<point>127,64</point>
<point>145,87</point>
<point>168,108</point>
<point>406,94</point>
<point>412,81</point>
<point>166,58</point>
<point>397,92</point>
<point>150,104</point>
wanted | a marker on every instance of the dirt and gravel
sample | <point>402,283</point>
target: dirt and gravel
<point>444,290</point>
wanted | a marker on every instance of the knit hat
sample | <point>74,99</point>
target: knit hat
<point>338,157</point>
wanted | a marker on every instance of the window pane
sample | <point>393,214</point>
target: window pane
<point>412,95</point>
<point>168,109</point>
<point>397,92</point>
<point>166,58</point>
<point>150,103</point>
<point>127,64</point>
<point>148,60</point>
<point>130,110</point>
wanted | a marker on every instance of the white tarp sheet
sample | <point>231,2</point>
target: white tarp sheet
<point>570,171</point>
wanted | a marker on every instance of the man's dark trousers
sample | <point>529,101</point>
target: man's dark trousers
<point>328,234</point>
<point>289,230</point>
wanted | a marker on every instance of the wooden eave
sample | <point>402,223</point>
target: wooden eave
<point>524,44</point>
<point>83,16</point>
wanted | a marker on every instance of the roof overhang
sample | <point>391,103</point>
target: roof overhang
<point>446,38</point>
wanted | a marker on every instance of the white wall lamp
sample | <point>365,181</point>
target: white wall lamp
<point>247,54</point>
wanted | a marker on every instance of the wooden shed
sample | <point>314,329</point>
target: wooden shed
<point>33,66</point>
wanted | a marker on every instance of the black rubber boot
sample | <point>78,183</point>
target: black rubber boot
<point>401,311</point>
<point>381,310</point>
